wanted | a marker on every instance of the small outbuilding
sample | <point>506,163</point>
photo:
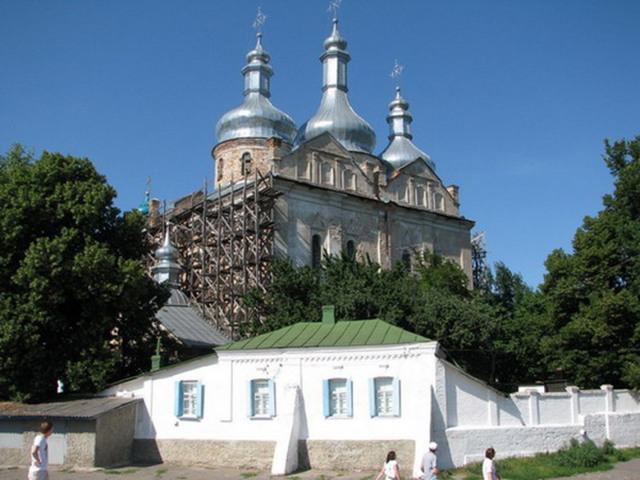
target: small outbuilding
<point>91,432</point>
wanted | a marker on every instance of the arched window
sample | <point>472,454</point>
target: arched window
<point>220,169</point>
<point>349,180</point>
<point>316,251</point>
<point>245,168</point>
<point>406,260</point>
<point>303,169</point>
<point>420,196</point>
<point>327,174</point>
<point>351,250</point>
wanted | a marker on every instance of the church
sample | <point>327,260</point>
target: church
<point>307,191</point>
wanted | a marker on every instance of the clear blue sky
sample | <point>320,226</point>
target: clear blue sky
<point>512,99</point>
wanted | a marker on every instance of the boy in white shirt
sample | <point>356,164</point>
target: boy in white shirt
<point>39,469</point>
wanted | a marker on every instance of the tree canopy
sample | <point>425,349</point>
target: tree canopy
<point>75,302</point>
<point>594,292</point>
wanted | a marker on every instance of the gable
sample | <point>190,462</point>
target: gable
<point>327,143</point>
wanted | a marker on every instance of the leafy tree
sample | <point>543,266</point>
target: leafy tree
<point>289,298</point>
<point>521,322</point>
<point>433,302</point>
<point>594,292</point>
<point>75,303</point>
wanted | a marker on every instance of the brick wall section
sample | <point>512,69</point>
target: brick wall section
<point>228,157</point>
<point>256,455</point>
<point>355,455</point>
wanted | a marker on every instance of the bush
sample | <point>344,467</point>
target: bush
<point>580,455</point>
<point>610,450</point>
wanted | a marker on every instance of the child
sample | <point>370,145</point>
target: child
<point>39,469</point>
<point>390,469</point>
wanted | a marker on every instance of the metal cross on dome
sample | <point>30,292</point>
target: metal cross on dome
<point>396,73</point>
<point>259,21</point>
<point>334,6</point>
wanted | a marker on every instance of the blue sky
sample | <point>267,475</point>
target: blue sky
<point>512,99</point>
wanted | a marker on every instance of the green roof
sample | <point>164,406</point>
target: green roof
<point>320,334</point>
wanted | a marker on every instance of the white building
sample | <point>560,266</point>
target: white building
<point>341,394</point>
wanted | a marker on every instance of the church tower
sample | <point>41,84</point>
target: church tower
<point>255,133</point>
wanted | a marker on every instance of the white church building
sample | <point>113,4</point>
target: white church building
<point>341,394</point>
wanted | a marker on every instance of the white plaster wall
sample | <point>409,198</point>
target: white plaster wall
<point>555,409</point>
<point>466,400</point>
<point>591,401</point>
<point>625,401</point>
<point>226,399</point>
<point>467,445</point>
<point>623,429</point>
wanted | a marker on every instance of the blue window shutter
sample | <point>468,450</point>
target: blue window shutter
<point>199,399</point>
<point>349,398</point>
<point>396,396</point>
<point>178,404</point>
<point>272,398</point>
<point>250,395</point>
<point>326,398</point>
<point>373,408</point>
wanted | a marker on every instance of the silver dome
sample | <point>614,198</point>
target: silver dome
<point>256,117</point>
<point>401,150</point>
<point>166,270</point>
<point>335,114</point>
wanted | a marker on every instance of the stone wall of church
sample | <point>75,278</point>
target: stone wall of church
<point>240,158</point>
<point>383,231</point>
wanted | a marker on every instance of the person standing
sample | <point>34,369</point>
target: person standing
<point>390,469</point>
<point>429,466</point>
<point>39,469</point>
<point>488,466</point>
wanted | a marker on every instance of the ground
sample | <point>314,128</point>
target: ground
<point>623,471</point>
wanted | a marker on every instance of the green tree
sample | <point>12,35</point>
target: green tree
<point>75,303</point>
<point>594,292</point>
<point>521,323</point>
<point>433,301</point>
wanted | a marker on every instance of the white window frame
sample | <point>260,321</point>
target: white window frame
<point>337,398</point>
<point>189,399</point>
<point>384,397</point>
<point>262,398</point>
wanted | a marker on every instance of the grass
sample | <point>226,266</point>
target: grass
<point>572,460</point>
<point>127,471</point>
<point>249,475</point>
<point>160,472</point>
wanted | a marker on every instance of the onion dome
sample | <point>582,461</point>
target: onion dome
<point>167,269</point>
<point>256,117</point>
<point>335,114</point>
<point>144,206</point>
<point>401,150</point>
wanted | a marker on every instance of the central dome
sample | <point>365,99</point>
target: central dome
<point>335,114</point>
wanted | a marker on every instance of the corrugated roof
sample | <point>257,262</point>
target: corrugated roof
<point>81,409</point>
<point>188,327</point>
<point>339,334</point>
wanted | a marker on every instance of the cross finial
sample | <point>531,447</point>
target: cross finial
<point>396,73</point>
<point>334,6</point>
<point>259,21</point>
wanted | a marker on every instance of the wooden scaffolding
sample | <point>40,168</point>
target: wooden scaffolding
<point>225,240</point>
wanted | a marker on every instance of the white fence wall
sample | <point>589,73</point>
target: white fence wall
<point>529,422</point>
